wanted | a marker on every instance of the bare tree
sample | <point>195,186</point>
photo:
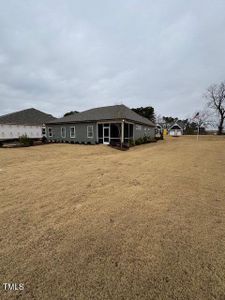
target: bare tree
<point>159,119</point>
<point>202,119</point>
<point>216,100</point>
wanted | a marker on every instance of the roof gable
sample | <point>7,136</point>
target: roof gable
<point>175,125</point>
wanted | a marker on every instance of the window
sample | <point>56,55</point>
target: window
<point>63,132</point>
<point>43,130</point>
<point>50,132</point>
<point>90,132</point>
<point>72,132</point>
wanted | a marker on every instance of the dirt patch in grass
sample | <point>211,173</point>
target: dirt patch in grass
<point>89,222</point>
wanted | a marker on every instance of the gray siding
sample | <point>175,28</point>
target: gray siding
<point>143,130</point>
<point>80,133</point>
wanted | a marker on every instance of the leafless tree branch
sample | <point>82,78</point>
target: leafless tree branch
<point>215,96</point>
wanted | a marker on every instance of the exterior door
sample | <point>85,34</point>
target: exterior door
<point>106,135</point>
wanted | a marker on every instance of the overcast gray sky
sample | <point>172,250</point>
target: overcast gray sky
<point>67,55</point>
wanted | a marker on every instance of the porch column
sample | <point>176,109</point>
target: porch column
<point>122,132</point>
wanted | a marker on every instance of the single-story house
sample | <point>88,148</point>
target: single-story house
<point>30,122</point>
<point>106,125</point>
<point>175,130</point>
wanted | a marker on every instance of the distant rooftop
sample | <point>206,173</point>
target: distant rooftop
<point>30,116</point>
<point>116,112</point>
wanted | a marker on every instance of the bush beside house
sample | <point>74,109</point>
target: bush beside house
<point>25,141</point>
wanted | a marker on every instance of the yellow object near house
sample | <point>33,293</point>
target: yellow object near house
<point>165,132</point>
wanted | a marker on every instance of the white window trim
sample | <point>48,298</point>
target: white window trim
<point>50,135</point>
<point>73,136</point>
<point>63,136</point>
<point>92,129</point>
<point>43,129</point>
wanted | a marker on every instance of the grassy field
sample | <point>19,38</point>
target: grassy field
<point>91,222</point>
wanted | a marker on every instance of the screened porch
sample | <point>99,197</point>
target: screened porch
<point>115,133</point>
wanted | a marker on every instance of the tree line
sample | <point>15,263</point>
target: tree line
<point>212,115</point>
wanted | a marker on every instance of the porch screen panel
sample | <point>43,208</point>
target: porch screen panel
<point>115,132</point>
<point>126,131</point>
<point>100,133</point>
<point>131,130</point>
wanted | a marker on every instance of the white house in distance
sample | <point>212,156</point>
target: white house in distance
<point>30,122</point>
<point>175,130</point>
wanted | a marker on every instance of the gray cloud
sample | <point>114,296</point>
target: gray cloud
<point>73,55</point>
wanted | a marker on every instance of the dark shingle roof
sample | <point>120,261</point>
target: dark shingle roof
<point>176,124</point>
<point>116,112</point>
<point>29,116</point>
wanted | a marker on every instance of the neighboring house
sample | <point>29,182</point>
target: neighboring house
<point>110,124</point>
<point>28,122</point>
<point>175,130</point>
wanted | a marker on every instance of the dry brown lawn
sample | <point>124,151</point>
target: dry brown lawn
<point>91,222</point>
